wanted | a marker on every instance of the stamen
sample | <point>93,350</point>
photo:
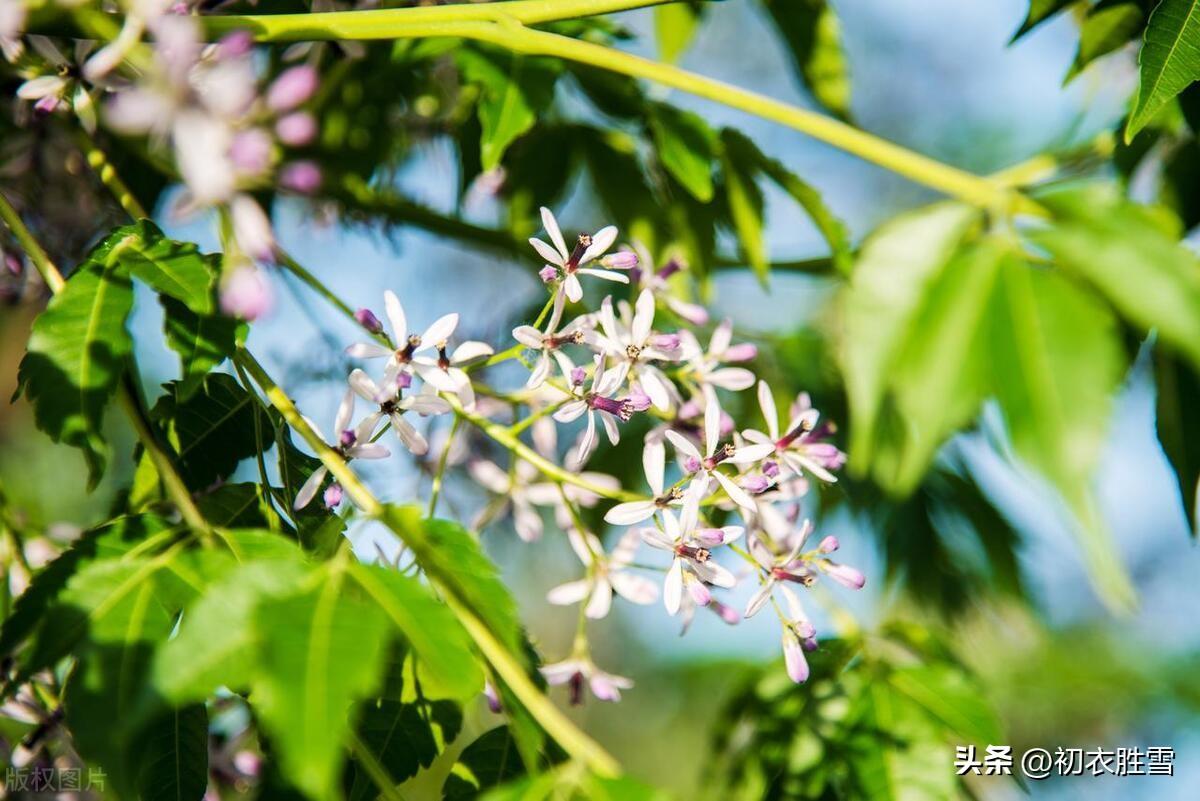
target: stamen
<point>581,245</point>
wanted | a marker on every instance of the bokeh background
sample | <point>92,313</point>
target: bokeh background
<point>935,75</point>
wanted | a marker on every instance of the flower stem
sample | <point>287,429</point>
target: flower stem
<point>436,487</point>
<point>107,173</point>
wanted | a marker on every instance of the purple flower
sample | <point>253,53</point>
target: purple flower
<point>234,44</point>
<point>292,88</point>
<point>296,129</point>
<point>332,496</point>
<point>367,319</point>
<point>245,292</point>
<point>579,671</point>
<point>250,151</point>
<point>301,176</point>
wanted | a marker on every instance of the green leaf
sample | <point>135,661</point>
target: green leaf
<point>76,354</point>
<point>566,783</point>
<point>891,280</point>
<point>911,763</point>
<point>674,28</point>
<point>1169,61</point>
<point>238,505</point>
<point>1039,12</point>
<point>176,269</point>
<point>489,761</point>
<point>1057,359</point>
<point>814,37</point>
<point>1178,425</point>
<point>949,696</point>
<point>1122,249</point>
<point>740,169</point>
<point>320,649</point>
<point>514,89</point>
<point>685,146</point>
<point>173,755</point>
<point>403,738</point>
<point>447,666</point>
<point>1107,27</point>
<point>202,341</point>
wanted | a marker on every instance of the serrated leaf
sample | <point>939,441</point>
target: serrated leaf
<point>674,28</point>
<point>401,738</point>
<point>1122,249</point>
<point>685,146</point>
<point>319,650</point>
<point>448,668</point>
<point>1057,360</point>
<point>814,38</point>
<point>745,201</point>
<point>1107,27</point>
<point>1177,423</point>
<point>488,762</point>
<point>907,766</point>
<point>212,430</point>
<point>514,89</point>
<point>896,266</point>
<point>1169,61</point>
<point>202,341</point>
<point>234,505</point>
<point>76,355</point>
<point>173,755</point>
<point>177,269</point>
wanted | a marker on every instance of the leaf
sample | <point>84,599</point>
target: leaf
<point>1122,249</point>
<point>685,146</point>
<point>813,35</point>
<point>566,783</point>
<point>320,649</point>
<point>1107,27</point>
<point>1177,423</point>
<point>514,89</point>
<point>176,269</point>
<point>1169,61</point>
<point>674,28</point>
<point>486,763</point>
<point>898,754</point>
<point>448,666</point>
<point>891,279</point>
<point>173,756</point>
<point>1057,360</point>
<point>237,505</point>
<point>202,341</point>
<point>745,201</point>
<point>947,694</point>
<point>211,431</point>
<point>1039,12</point>
<point>76,354</point>
<point>402,738</point>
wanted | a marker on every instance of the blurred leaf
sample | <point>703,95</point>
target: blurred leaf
<point>514,89</point>
<point>620,181</point>
<point>612,93</point>
<point>173,755</point>
<point>740,168</point>
<point>674,28</point>
<point>1057,360</point>
<point>814,37</point>
<point>1178,425</point>
<point>1122,249</point>
<point>1169,61</point>
<point>77,351</point>
<point>402,739</point>
<point>568,784</point>
<point>202,341</point>
<point>1108,26</point>
<point>1181,181</point>
<point>685,146</point>
<point>320,649</point>
<point>911,762</point>
<point>489,761</point>
<point>896,267</point>
<point>946,694</point>
<point>175,269</point>
<point>1039,12</point>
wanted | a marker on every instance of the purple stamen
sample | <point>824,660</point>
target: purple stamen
<point>347,438</point>
<point>670,268</point>
<point>617,408</point>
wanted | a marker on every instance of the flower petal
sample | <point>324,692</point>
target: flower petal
<point>673,587</point>
<point>766,402</point>
<point>554,232</point>
<point>396,316</point>
<point>626,514</point>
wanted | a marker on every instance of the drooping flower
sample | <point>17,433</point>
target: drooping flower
<point>654,466</point>
<point>569,264</point>
<point>578,671</point>
<point>549,344</point>
<point>645,276</point>
<point>605,574</point>
<point>596,401</point>
<point>692,565</point>
<point>394,407</point>
<point>636,347</point>
<point>401,357</point>
<point>714,456</point>
<point>706,365</point>
<point>800,446</point>
<point>788,567</point>
<point>350,443</point>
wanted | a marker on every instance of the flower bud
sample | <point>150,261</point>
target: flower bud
<point>726,613</point>
<point>755,484</point>
<point>828,545</point>
<point>639,401</point>
<point>691,464</point>
<point>844,575</point>
<point>403,381</point>
<point>250,151</point>
<point>235,44</point>
<point>548,274</point>
<point>665,341</point>
<point>621,260</point>
<point>367,319</point>
<point>296,129</point>
<point>740,353</point>
<point>252,229</point>
<point>292,88</point>
<point>770,468</point>
<point>332,496</point>
<point>793,657</point>
<point>303,177</point>
<point>247,762</point>
<point>700,593</point>
<point>244,292</point>
<point>578,375</point>
<point>493,698</point>
<point>12,263</point>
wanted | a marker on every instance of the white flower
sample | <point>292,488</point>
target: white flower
<point>654,465</point>
<point>549,344</point>
<point>597,400</point>
<point>606,574</point>
<point>783,568</point>
<point>349,443</point>
<point>394,407</point>
<point>446,373</point>
<point>714,456</point>
<point>570,264</point>
<point>400,360</point>
<point>580,670</point>
<point>656,282</point>
<point>800,446</point>
<point>706,365</point>
<point>12,23</point>
<point>636,347</point>
<point>692,566</point>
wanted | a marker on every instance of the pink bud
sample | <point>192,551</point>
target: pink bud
<point>333,496</point>
<point>247,763</point>
<point>403,381</point>
<point>726,423</point>
<point>711,537</point>
<point>250,151</point>
<point>296,129</point>
<point>252,229</point>
<point>700,593</point>
<point>548,274</point>
<point>578,375</point>
<point>292,88</point>
<point>46,105</point>
<point>740,353</point>
<point>726,613</point>
<point>755,484</point>
<point>235,44</point>
<point>691,464</point>
<point>639,401</point>
<point>347,438</point>
<point>367,319</point>
<point>844,575</point>
<point>793,657</point>
<point>301,176</point>
<point>493,698</point>
<point>770,468</point>
<point>828,545</point>
<point>665,341</point>
<point>245,293</point>
<point>621,260</point>
<point>12,263</point>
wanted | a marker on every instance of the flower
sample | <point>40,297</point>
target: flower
<point>692,566</point>
<point>549,344</point>
<point>393,408</point>
<point>654,466</point>
<point>400,358</point>
<point>12,23</point>
<point>799,447</point>
<point>714,456</point>
<point>598,399</point>
<point>788,567</point>
<point>706,365</point>
<point>351,443</point>
<point>580,670</point>
<point>605,575</point>
<point>446,373</point>
<point>569,265</point>
<point>244,291</point>
<point>636,346</point>
<point>645,276</point>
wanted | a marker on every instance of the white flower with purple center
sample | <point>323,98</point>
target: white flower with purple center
<point>693,566</point>
<point>401,358</point>
<point>565,266</point>
<point>634,344</point>
<point>654,465</point>
<point>606,574</point>
<point>706,366</point>
<point>446,372</point>
<point>596,401</point>
<point>645,276</point>
<point>351,443</point>
<point>578,672</point>
<point>800,446</point>
<point>715,455</point>
<point>394,407</point>
<point>549,344</point>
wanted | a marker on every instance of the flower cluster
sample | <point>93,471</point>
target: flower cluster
<point>725,490</point>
